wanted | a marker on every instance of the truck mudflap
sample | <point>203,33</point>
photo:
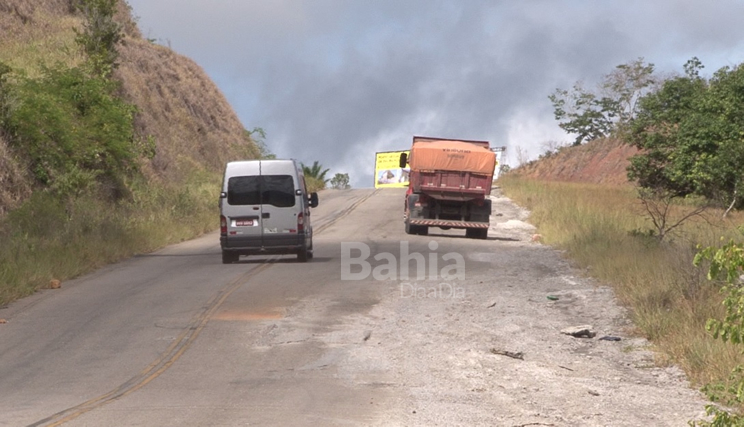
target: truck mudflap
<point>447,223</point>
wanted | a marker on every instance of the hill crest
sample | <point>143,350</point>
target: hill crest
<point>602,161</point>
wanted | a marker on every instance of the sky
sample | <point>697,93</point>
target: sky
<point>338,80</point>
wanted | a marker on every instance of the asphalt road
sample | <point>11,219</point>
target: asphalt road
<point>169,338</point>
<point>175,338</point>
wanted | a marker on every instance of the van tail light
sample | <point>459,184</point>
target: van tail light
<point>300,223</point>
<point>223,225</point>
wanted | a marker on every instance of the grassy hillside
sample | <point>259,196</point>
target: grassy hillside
<point>72,197</point>
<point>180,109</point>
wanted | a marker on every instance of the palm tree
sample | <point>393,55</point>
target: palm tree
<point>316,172</point>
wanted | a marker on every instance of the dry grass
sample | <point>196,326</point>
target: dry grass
<point>602,229</point>
<point>45,239</point>
<point>186,114</point>
<point>37,34</point>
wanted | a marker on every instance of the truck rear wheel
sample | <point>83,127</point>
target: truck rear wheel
<point>421,230</point>
<point>414,212</point>
<point>481,213</point>
<point>476,233</point>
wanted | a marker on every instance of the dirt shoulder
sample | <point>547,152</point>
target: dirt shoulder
<point>495,355</point>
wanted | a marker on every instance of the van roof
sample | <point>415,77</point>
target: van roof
<point>252,167</point>
<point>239,162</point>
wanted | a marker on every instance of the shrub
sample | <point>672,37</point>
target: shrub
<point>71,128</point>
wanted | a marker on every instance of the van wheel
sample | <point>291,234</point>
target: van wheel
<point>230,257</point>
<point>302,255</point>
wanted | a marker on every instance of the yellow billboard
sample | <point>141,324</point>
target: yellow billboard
<point>388,173</point>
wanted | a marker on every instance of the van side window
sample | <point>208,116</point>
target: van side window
<point>277,190</point>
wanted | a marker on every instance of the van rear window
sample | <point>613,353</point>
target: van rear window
<point>277,190</point>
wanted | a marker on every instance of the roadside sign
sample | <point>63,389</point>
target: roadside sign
<point>388,173</point>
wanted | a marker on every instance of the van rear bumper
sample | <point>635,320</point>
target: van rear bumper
<point>270,245</point>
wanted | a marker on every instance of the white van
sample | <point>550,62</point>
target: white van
<point>265,209</point>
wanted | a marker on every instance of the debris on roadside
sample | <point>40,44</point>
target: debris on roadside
<point>593,393</point>
<point>55,284</point>
<point>610,338</point>
<point>3,321</point>
<point>493,304</point>
<point>514,355</point>
<point>583,331</point>
<point>367,335</point>
<point>553,297</point>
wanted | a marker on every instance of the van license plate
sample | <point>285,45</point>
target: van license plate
<point>244,223</point>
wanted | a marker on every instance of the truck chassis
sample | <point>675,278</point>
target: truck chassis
<point>473,216</point>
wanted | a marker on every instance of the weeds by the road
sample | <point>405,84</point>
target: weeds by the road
<point>604,229</point>
<point>51,239</point>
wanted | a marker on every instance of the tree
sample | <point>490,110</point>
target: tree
<point>582,113</point>
<point>691,133</point>
<point>626,85</point>
<point>522,156</point>
<point>340,181</point>
<point>315,176</point>
<point>657,132</point>
<point>658,204</point>
<point>316,171</point>
<point>589,115</point>
<point>100,34</point>
<point>258,136</point>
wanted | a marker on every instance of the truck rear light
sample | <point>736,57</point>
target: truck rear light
<point>223,225</point>
<point>300,223</point>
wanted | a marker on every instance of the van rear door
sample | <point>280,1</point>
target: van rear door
<point>280,205</point>
<point>243,211</point>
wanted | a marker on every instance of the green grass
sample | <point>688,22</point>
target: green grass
<point>603,229</point>
<point>48,239</point>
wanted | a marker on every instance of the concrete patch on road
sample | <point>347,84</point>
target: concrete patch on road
<point>234,315</point>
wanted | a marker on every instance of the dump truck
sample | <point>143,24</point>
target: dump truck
<point>449,184</point>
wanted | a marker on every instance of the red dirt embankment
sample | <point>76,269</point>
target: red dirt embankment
<point>602,161</point>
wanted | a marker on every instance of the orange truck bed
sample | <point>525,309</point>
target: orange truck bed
<point>447,155</point>
<point>451,169</point>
